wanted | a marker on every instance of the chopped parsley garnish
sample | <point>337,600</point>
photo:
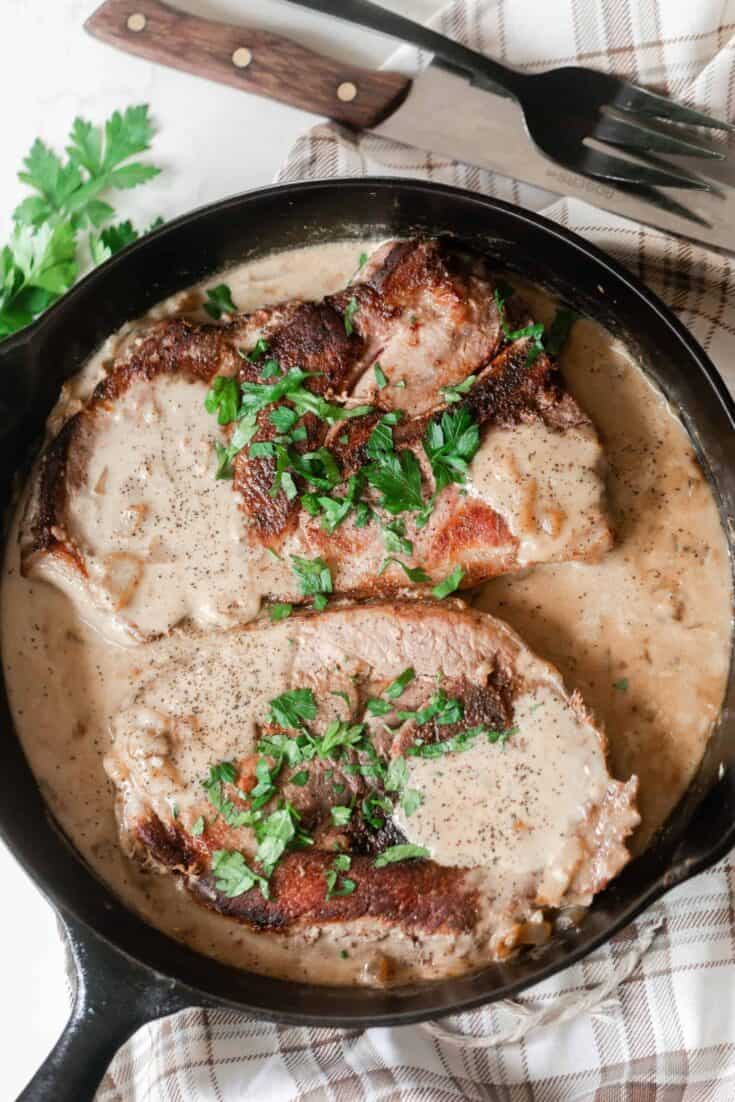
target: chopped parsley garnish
<point>340,864</point>
<point>300,778</point>
<point>380,377</point>
<point>223,398</point>
<point>362,261</point>
<point>554,340</point>
<point>453,394</point>
<point>350,310</point>
<point>258,350</point>
<point>379,707</point>
<point>559,330</point>
<point>320,602</point>
<point>397,687</point>
<point>622,685</point>
<point>394,537</point>
<point>457,743</point>
<point>344,954</point>
<point>402,852</point>
<point>224,468</point>
<point>396,776</point>
<point>442,709</point>
<point>397,477</point>
<point>411,800</point>
<point>413,573</point>
<point>450,583</point>
<point>314,575</point>
<point>280,611</point>
<point>219,775</point>
<point>337,736</point>
<point>274,834</point>
<point>334,509</point>
<point>219,301</point>
<point>293,709</point>
<point>226,771</point>
<point>373,803</point>
<point>197,827</point>
<point>340,815</point>
<point>450,444</point>
<point>265,788</point>
<point>233,876</point>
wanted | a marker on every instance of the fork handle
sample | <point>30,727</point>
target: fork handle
<point>365,13</point>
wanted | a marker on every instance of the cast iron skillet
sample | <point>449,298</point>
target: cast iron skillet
<point>128,973</point>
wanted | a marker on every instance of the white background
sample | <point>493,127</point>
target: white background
<point>212,141</point>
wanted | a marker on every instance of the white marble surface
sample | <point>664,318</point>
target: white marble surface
<point>212,141</point>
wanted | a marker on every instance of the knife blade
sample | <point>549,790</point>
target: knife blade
<point>438,110</point>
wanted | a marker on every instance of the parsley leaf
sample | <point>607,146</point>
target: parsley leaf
<point>280,611</point>
<point>41,260</point>
<point>622,685</point>
<point>258,351</point>
<point>397,477</point>
<point>300,778</point>
<point>223,398</point>
<point>394,538</point>
<point>341,863</point>
<point>233,876</point>
<point>314,575</point>
<point>400,853</point>
<point>372,803</point>
<point>441,708</point>
<point>349,314</point>
<point>396,688</point>
<point>453,394</point>
<point>450,444</point>
<point>378,707</point>
<point>559,330</point>
<point>340,815</point>
<point>397,775</point>
<point>293,709</point>
<point>339,735</point>
<point>413,573</point>
<point>380,377</point>
<point>197,827</point>
<point>274,834</point>
<point>219,301</point>
<point>411,800</point>
<point>450,583</point>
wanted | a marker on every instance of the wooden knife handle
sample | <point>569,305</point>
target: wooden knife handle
<point>255,61</point>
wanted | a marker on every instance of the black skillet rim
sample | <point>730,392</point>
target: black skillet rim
<point>67,899</point>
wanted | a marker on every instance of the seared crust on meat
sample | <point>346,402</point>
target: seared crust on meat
<point>418,895</point>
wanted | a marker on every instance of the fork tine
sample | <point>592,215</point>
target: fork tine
<point>634,133</point>
<point>604,165</point>
<point>632,98</point>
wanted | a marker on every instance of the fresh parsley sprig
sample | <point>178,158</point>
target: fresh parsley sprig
<point>44,255</point>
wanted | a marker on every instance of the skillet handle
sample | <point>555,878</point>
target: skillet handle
<point>113,997</point>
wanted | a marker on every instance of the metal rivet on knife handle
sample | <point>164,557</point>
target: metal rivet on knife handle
<point>136,21</point>
<point>347,91</point>
<point>242,57</point>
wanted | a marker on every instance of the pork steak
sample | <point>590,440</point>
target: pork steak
<point>410,766</point>
<point>409,428</point>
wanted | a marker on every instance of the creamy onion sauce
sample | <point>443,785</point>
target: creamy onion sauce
<point>644,634</point>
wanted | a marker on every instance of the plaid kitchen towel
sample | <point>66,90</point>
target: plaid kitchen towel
<point>666,1030</point>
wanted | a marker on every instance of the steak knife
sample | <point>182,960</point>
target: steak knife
<point>438,110</point>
